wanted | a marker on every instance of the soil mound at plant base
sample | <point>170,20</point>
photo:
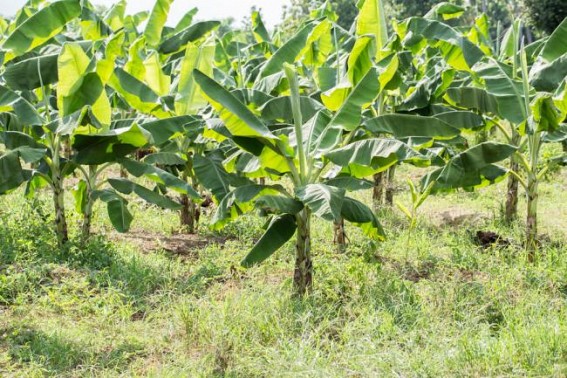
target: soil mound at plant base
<point>458,216</point>
<point>178,244</point>
<point>488,239</point>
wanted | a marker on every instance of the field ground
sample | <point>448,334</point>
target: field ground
<point>430,302</point>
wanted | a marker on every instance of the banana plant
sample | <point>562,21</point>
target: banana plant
<point>305,141</point>
<point>61,100</point>
<point>156,80</point>
<point>72,98</point>
<point>536,101</point>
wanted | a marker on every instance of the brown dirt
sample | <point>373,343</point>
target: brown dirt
<point>185,245</point>
<point>457,216</point>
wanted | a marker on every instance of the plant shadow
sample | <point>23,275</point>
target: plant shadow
<point>58,356</point>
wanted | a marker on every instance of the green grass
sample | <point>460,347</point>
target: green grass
<point>426,303</point>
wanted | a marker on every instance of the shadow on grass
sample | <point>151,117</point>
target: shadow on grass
<point>28,346</point>
<point>28,256</point>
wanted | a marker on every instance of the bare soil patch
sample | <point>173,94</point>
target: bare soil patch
<point>181,244</point>
<point>458,216</point>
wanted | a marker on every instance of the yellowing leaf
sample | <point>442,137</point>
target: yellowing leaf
<point>155,78</point>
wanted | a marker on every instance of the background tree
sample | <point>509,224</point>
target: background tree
<point>546,15</point>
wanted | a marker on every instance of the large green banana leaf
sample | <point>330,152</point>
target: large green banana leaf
<point>360,215</point>
<point>157,20</point>
<point>100,148</point>
<point>367,157</point>
<point>191,33</point>
<point>371,20</point>
<point>325,201</point>
<point>41,27</point>
<point>289,52</point>
<point>472,168</point>
<point>279,231</point>
<point>32,73</point>
<point>126,186</point>
<point>190,98</point>
<point>159,176</point>
<point>26,112</point>
<point>238,119</point>
<point>406,125</point>
<point>117,208</point>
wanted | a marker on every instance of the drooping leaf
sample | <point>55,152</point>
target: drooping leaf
<point>42,26</point>
<point>163,130</point>
<point>366,157</point>
<point>190,34</point>
<point>546,116</point>
<point>157,20</point>
<point>474,98</point>
<point>31,73</point>
<point>26,112</point>
<point>405,125</point>
<point>126,186</point>
<point>212,176</point>
<point>279,204</point>
<point>289,52</point>
<point>94,149</point>
<point>471,167</point>
<point>190,98</point>
<point>238,119</point>
<point>80,194</point>
<point>137,94</point>
<point>159,176</point>
<point>372,20</point>
<point>462,119</point>
<point>349,183</point>
<point>240,201</point>
<point>280,230</point>
<point>325,201</point>
<point>507,91</point>
<point>349,116</point>
<point>11,172</point>
<point>458,51</point>
<point>164,159</point>
<point>548,77</point>
<point>359,214</point>
<point>279,108</point>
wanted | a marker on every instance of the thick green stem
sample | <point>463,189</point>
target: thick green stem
<point>303,275</point>
<point>532,193</point>
<point>87,219</point>
<point>511,211</point>
<point>91,177</point>
<point>534,147</point>
<point>60,219</point>
<point>61,229</point>
<point>390,187</point>
<point>291,75</point>
<point>340,238</point>
<point>531,219</point>
<point>380,179</point>
<point>187,214</point>
<point>378,191</point>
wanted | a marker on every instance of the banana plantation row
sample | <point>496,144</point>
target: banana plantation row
<point>287,125</point>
